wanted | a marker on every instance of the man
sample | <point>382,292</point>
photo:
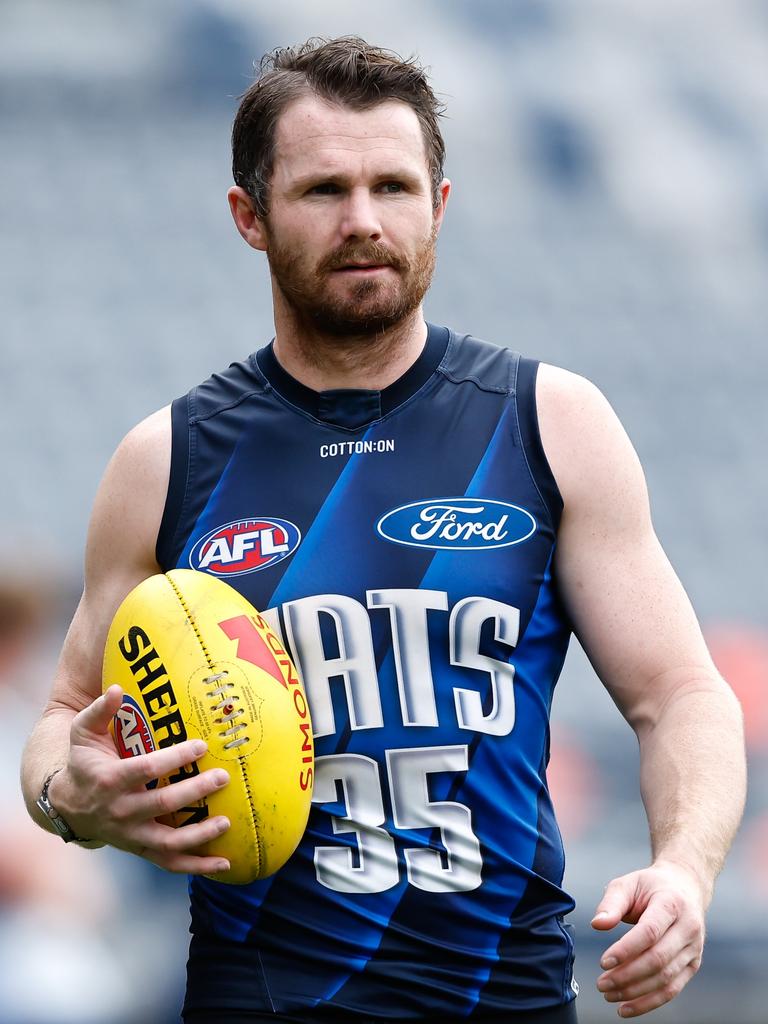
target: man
<point>429,517</point>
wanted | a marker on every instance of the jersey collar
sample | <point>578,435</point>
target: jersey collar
<point>353,408</point>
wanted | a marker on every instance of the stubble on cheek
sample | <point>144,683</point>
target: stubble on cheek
<point>361,306</point>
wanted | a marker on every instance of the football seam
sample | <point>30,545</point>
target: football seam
<point>256,832</point>
<point>240,760</point>
<point>192,622</point>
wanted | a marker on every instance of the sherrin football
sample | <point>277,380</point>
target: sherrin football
<point>195,659</point>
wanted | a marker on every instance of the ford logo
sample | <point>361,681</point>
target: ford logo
<point>457,524</point>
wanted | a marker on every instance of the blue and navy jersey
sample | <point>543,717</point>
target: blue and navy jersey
<point>401,543</point>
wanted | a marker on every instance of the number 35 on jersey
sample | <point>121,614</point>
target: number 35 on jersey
<point>371,864</point>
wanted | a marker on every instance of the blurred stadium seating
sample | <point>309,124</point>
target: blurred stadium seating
<point>610,214</point>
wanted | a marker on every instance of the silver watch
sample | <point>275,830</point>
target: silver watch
<point>61,826</point>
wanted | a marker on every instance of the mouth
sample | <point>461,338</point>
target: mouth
<point>363,269</point>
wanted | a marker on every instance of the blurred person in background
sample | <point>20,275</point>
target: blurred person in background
<point>67,920</point>
<point>55,904</point>
<point>337,427</point>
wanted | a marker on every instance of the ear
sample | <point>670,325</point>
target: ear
<point>247,223</point>
<point>439,213</point>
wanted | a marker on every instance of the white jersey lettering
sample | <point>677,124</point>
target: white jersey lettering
<point>410,644</point>
<point>356,663</point>
<point>467,620</point>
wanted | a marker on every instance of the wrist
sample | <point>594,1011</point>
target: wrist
<point>55,820</point>
<point>698,871</point>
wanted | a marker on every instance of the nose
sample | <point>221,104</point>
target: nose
<point>360,219</point>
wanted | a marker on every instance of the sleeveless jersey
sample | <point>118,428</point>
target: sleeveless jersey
<point>401,544</point>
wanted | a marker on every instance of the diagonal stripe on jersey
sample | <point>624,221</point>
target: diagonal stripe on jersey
<point>337,555</point>
<point>342,554</point>
<point>507,797</point>
<point>418,663</point>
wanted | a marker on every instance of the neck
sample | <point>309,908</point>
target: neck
<point>324,362</point>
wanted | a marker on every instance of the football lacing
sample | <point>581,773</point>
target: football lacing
<point>236,743</point>
<point>219,689</point>
<point>226,704</point>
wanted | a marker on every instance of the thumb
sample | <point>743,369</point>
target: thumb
<point>619,896</point>
<point>93,721</point>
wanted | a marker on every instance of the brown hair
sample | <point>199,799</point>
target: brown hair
<point>347,71</point>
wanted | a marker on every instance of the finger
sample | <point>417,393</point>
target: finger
<point>654,969</point>
<point>189,864</point>
<point>138,771</point>
<point>654,922</point>
<point>155,840</point>
<point>155,803</point>
<point>95,718</point>
<point>652,1001</point>
<point>658,960</point>
<point>619,897</point>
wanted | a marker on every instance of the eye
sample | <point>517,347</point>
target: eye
<point>324,188</point>
<point>392,187</point>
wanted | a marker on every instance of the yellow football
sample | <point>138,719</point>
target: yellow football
<point>195,659</point>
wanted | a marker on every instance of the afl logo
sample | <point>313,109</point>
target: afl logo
<point>457,524</point>
<point>132,733</point>
<point>245,545</point>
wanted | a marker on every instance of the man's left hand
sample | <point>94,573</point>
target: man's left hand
<point>654,960</point>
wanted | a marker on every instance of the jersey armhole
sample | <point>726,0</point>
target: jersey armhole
<point>165,552</point>
<point>531,438</point>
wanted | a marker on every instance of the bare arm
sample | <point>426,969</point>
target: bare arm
<point>639,630</point>
<point>104,799</point>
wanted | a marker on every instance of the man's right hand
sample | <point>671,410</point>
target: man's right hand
<point>105,798</point>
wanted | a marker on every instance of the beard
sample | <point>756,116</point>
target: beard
<point>369,307</point>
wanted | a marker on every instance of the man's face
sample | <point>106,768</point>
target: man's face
<point>351,229</point>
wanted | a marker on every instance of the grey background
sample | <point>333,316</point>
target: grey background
<point>609,214</point>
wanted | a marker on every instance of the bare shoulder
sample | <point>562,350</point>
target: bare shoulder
<point>128,511</point>
<point>613,575</point>
<point>131,497</point>
<point>120,553</point>
<point>586,445</point>
<point>145,451</point>
<point>566,394</point>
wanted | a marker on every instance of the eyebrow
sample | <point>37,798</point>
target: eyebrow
<point>338,177</point>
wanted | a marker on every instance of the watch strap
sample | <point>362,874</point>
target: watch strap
<point>62,827</point>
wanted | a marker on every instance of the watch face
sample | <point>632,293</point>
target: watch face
<point>53,815</point>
